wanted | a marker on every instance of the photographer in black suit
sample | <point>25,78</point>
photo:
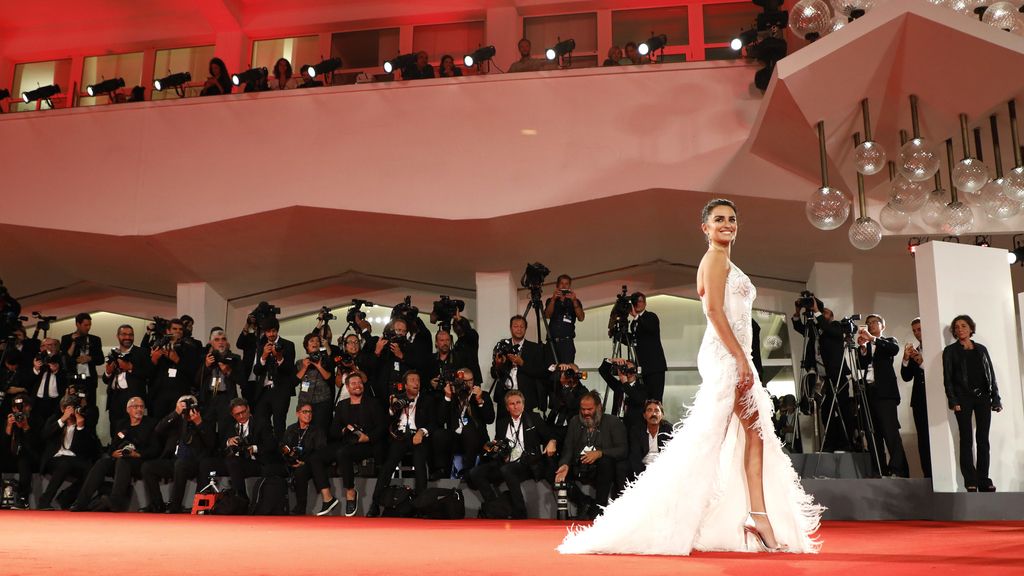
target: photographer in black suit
<point>126,374</point>
<point>358,432</point>
<point>71,446</point>
<point>302,447</point>
<point>275,377</point>
<point>216,379</point>
<point>565,402</point>
<point>621,376</point>
<point>412,422</point>
<point>84,352</point>
<point>645,327</point>
<point>463,414</point>
<point>184,438</point>
<point>131,443</point>
<point>467,345</point>
<point>876,357</point>
<point>520,451</point>
<point>393,356</point>
<point>911,370</point>
<point>594,453</point>
<point>441,366</point>
<point>249,447</point>
<point>174,368</point>
<point>23,438</point>
<point>562,310</point>
<point>49,379</point>
<point>647,438</point>
<point>518,365</point>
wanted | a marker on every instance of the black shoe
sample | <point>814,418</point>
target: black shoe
<point>328,506</point>
<point>102,505</point>
<point>351,506</point>
<point>44,505</point>
<point>159,508</point>
<point>989,488</point>
<point>972,488</point>
<point>374,511</point>
<point>77,508</point>
<point>297,511</point>
<point>20,504</point>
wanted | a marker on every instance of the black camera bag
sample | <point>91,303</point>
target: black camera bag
<point>441,504</point>
<point>397,502</point>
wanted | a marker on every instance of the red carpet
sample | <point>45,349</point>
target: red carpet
<point>107,544</point>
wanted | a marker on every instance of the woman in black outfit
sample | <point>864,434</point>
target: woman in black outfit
<point>971,389</point>
<point>448,69</point>
<point>219,81</point>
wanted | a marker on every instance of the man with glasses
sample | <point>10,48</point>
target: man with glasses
<point>303,446</point>
<point>249,447</point>
<point>130,445</point>
<point>463,416</point>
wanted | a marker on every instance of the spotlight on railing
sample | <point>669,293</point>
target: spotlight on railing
<point>105,87</point>
<point>479,56</point>
<point>172,81</point>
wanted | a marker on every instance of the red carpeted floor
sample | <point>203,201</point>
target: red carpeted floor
<point>107,544</point>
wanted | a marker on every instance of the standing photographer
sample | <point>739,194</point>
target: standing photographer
<point>50,381</point>
<point>315,381</point>
<point>912,370</point>
<point>392,357</point>
<point>594,453</point>
<point>126,374</point>
<point>645,327</point>
<point>354,356</point>
<point>562,310</point>
<point>84,352</point>
<point>565,402</point>
<point>23,436</point>
<point>467,345</point>
<point>174,368</point>
<point>518,365</point>
<point>621,376</point>
<point>216,380</point>
<point>877,353</point>
<point>275,377</point>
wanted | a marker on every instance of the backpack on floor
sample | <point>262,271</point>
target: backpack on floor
<point>228,503</point>
<point>441,504</point>
<point>396,502</point>
<point>271,496</point>
<point>500,508</point>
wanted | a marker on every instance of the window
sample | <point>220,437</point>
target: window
<point>722,23</point>
<point>365,48</point>
<point>195,60</point>
<point>544,32</point>
<point>639,25</point>
<point>95,69</point>
<point>298,51</point>
<point>456,40</point>
<point>32,75</point>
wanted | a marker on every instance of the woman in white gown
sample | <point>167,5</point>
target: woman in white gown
<point>722,482</point>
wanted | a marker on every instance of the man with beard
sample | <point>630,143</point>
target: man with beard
<point>126,374</point>
<point>594,453</point>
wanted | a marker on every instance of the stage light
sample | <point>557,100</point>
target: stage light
<point>172,81</point>
<point>251,75</point>
<point>981,240</point>
<point>325,67</point>
<point>4,93</point>
<point>105,87</point>
<point>562,48</point>
<point>653,44</point>
<point>42,93</point>
<point>912,245</point>
<point>399,62</point>
<point>1016,256</point>
<point>479,56</point>
<point>746,38</point>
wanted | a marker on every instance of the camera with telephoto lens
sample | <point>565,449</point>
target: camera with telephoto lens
<point>505,347</point>
<point>574,376</point>
<point>534,275</point>
<point>325,315</point>
<point>406,311</point>
<point>350,434</point>
<point>18,409</point>
<point>162,341</point>
<point>391,337</point>
<point>225,357</point>
<point>618,321</point>
<point>355,312</point>
<point>116,355</point>
<point>190,405</point>
<point>562,500</point>
<point>625,369</point>
<point>242,448</point>
<point>263,313</point>
<point>293,454</point>
<point>498,449</point>
<point>46,358</point>
<point>848,325</point>
<point>806,300</point>
<point>444,311</point>
<point>160,326</point>
<point>317,356</point>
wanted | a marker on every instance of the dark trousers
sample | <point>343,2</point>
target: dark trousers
<point>974,473</point>
<point>122,469</point>
<point>603,478</point>
<point>180,470</point>
<point>445,444</point>
<point>217,408</point>
<point>315,469</point>
<point>887,431</point>
<point>272,408</point>
<point>323,413</point>
<point>565,349</point>
<point>60,469</point>
<point>397,449</point>
<point>655,384</point>
<point>28,463</point>
<point>348,454</point>
<point>488,475</point>
<point>924,449</point>
<point>239,468</point>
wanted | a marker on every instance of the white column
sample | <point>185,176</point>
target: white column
<point>495,304</point>
<point>205,305</point>
<point>955,279</point>
<point>832,283</point>
<point>503,30</point>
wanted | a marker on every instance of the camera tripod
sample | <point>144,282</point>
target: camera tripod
<point>856,379</point>
<point>622,339</point>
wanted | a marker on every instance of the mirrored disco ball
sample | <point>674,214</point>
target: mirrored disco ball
<point>810,17</point>
<point>934,208</point>
<point>970,174</point>
<point>918,161</point>
<point>869,158</point>
<point>907,196</point>
<point>828,208</point>
<point>865,233</point>
<point>958,219</point>
<point>892,219</point>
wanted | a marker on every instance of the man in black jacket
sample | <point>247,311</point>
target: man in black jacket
<point>301,446</point>
<point>71,445</point>
<point>647,438</point>
<point>565,400</point>
<point>184,438</point>
<point>594,453</point>
<point>49,379</point>
<point>174,368</point>
<point>216,379</point>
<point>126,374</point>
<point>463,414</point>
<point>23,439</point>
<point>876,357</point>
<point>412,422</point>
<point>467,345</point>
<point>358,432</point>
<point>646,331</point>
<point>84,352</point>
<point>393,355</point>
<point>132,442</point>
<point>911,370</point>
<point>835,401</point>
<point>621,376</point>
<point>519,365</point>
<point>530,445</point>
<point>275,377</point>
<point>249,447</point>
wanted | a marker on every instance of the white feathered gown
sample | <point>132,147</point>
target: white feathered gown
<point>694,495</point>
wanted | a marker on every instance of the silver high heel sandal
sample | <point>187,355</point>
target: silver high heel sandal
<point>750,529</point>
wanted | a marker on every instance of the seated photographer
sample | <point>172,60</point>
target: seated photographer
<point>71,446</point>
<point>24,440</point>
<point>357,433</point>
<point>249,448</point>
<point>565,402</point>
<point>216,379</point>
<point>647,438</point>
<point>594,453</point>
<point>412,421</point>
<point>520,451</point>
<point>126,374</point>
<point>316,379</point>
<point>50,381</point>
<point>174,368</point>
<point>562,310</point>
<point>462,419</point>
<point>132,442</point>
<point>184,438</point>
<point>876,358</point>
<point>518,364</point>
<point>302,447</point>
<point>275,377</point>
<point>621,376</point>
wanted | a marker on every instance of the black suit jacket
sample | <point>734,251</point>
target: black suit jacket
<point>913,371</point>
<point>639,447</point>
<point>426,414</point>
<point>635,394</point>
<point>536,435</point>
<point>647,336</point>
<point>37,381</point>
<point>369,416</point>
<point>138,378</point>
<point>84,443</point>
<point>879,355</point>
<point>172,428</point>
<point>832,348</point>
<point>95,353</point>
<point>283,374</point>
<point>204,379</point>
<point>248,343</point>
<point>479,415</point>
<point>531,375</point>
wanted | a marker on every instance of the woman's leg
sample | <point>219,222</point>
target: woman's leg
<point>753,465</point>
<point>963,421</point>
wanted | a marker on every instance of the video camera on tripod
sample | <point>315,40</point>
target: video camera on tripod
<point>263,313</point>
<point>444,311</point>
<point>356,313</point>
<point>618,321</point>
